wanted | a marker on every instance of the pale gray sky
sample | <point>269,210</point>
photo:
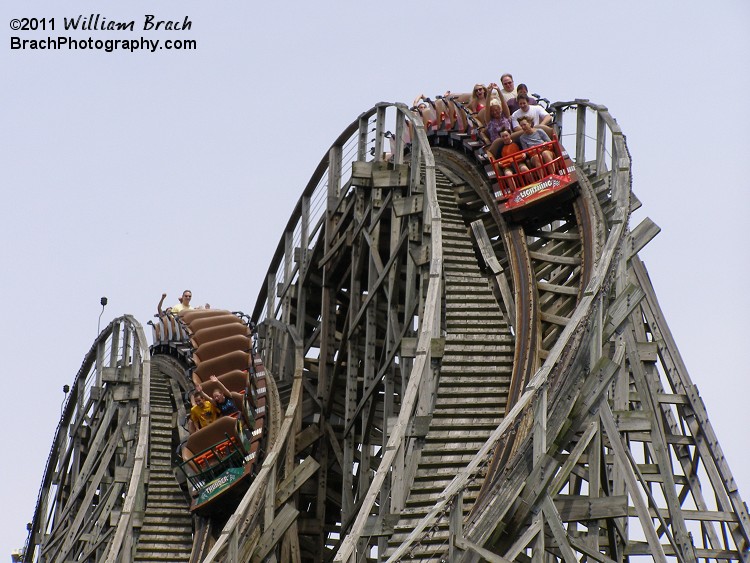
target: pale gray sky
<point>119,168</point>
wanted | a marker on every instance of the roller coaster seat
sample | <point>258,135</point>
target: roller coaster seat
<point>168,329</point>
<point>214,443</point>
<point>200,323</point>
<point>217,348</point>
<point>510,184</point>
<point>208,334</point>
<point>190,315</point>
<point>236,381</point>
<point>237,360</point>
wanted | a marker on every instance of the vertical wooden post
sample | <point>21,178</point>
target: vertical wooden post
<point>271,314</point>
<point>379,131</point>
<point>114,352</point>
<point>362,139</point>
<point>539,449</point>
<point>398,148</point>
<point>456,524</point>
<point>270,296</point>
<point>99,364</point>
<point>540,424</point>
<point>320,507</point>
<point>353,361</point>
<point>595,481</point>
<point>328,304</point>
<point>601,137</point>
<point>371,328</point>
<point>303,265</point>
<point>580,134</point>
<point>233,548</point>
<point>127,344</point>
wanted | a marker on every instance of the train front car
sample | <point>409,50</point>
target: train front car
<point>525,180</point>
<point>222,451</point>
<point>529,183</point>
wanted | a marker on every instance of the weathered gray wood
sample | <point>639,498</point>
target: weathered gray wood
<point>580,134</point>
<point>608,421</point>
<point>556,259</point>
<point>273,533</point>
<point>718,471</point>
<point>642,235</point>
<point>295,480</point>
<point>361,173</point>
<point>623,306</point>
<point>408,205</point>
<point>456,526</point>
<point>558,531</point>
<point>554,288</point>
<point>421,361</point>
<point>574,508</point>
<point>573,321</point>
<point>488,254</point>
<point>659,449</point>
<point>524,540</point>
<point>486,555</point>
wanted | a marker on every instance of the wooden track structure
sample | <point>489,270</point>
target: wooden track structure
<point>453,387</point>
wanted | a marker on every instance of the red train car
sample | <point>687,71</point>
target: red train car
<point>522,184</point>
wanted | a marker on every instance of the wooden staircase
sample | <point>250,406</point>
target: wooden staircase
<point>473,383</point>
<point>167,530</point>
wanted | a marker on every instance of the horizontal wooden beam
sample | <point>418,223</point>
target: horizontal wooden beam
<point>556,258</point>
<point>578,509</point>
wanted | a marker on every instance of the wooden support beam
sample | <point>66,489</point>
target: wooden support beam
<point>408,205</point>
<point>556,258</point>
<point>578,508</point>
<point>708,446</point>
<point>641,236</point>
<point>361,173</point>
<point>554,319</point>
<point>524,540</point>
<point>274,533</point>
<point>488,255</point>
<point>456,529</point>
<point>621,309</point>
<point>377,526</point>
<point>659,448</point>
<point>558,289</point>
<point>295,480</point>
<point>558,530</point>
<point>608,422</point>
<point>485,554</point>
<point>307,437</point>
<point>396,178</point>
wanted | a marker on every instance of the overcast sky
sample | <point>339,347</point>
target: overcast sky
<point>128,174</point>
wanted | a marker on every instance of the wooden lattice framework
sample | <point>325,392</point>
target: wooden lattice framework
<point>607,451</point>
<point>92,493</point>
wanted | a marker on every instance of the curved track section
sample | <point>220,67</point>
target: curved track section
<point>94,483</point>
<point>428,449</point>
<point>447,386</point>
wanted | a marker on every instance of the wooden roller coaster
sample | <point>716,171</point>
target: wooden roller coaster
<point>445,381</point>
